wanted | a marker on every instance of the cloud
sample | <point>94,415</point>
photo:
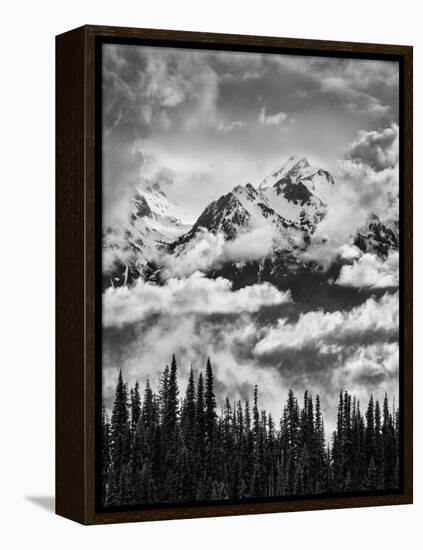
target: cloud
<point>195,294</point>
<point>372,366</point>
<point>362,363</point>
<point>207,251</point>
<point>315,327</point>
<point>147,91</point>
<point>277,119</point>
<point>354,84</point>
<point>192,338</point>
<point>370,271</point>
<point>226,127</point>
<point>378,149</point>
<point>366,184</point>
<point>349,252</point>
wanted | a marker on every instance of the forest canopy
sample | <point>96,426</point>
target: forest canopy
<point>164,448</point>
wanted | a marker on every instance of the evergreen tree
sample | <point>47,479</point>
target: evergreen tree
<point>135,406</point>
<point>105,454</point>
<point>200,424</point>
<point>378,446</point>
<point>163,394</point>
<point>147,410</point>
<point>370,431</point>
<point>188,411</point>
<point>210,401</point>
<point>155,451</point>
<point>389,447</point>
<point>119,443</point>
<point>171,408</point>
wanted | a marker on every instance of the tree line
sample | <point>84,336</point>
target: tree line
<point>160,448</point>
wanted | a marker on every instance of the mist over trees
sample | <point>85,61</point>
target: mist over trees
<point>161,447</point>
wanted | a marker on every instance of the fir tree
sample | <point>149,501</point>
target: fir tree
<point>135,406</point>
<point>152,452</point>
<point>119,442</point>
<point>210,401</point>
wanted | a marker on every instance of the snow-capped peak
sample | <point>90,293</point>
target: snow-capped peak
<point>295,162</point>
<point>153,221</point>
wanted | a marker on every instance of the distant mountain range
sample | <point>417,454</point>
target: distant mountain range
<point>291,201</point>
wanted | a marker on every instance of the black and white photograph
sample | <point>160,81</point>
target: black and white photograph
<point>250,277</point>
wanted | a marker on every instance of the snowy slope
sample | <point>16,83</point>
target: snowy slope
<point>152,222</point>
<point>291,199</point>
<point>289,204</point>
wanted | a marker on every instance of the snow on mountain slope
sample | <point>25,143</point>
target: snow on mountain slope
<point>378,236</point>
<point>152,222</point>
<point>295,202</point>
<point>284,210</point>
<point>297,189</point>
<point>279,172</point>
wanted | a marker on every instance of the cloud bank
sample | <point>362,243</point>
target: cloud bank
<point>317,328</point>
<point>378,149</point>
<point>370,271</point>
<point>194,294</point>
<point>366,184</point>
<point>207,251</point>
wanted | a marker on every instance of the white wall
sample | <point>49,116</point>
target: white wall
<point>27,270</point>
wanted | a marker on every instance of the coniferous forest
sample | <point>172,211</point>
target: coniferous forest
<point>160,447</point>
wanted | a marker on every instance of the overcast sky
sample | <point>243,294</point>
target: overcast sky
<point>219,119</point>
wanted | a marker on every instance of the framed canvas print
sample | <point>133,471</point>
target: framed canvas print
<point>234,275</point>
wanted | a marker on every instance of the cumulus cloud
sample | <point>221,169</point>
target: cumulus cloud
<point>366,184</point>
<point>276,119</point>
<point>374,366</point>
<point>195,294</point>
<point>349,252</point>
<point>226,127</point>
<point>208,251</point>
<point>317,327</point>
<point>378,149</point>
<point>193,338</point>
<point>370,271</point>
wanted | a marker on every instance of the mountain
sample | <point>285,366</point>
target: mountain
<point>152,222</point>
<point>289,203</point>
<point>290,200</point>
<point>304,188</point>
<point>378,236</point>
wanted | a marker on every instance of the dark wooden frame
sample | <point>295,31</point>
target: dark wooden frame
<point>76,268</point>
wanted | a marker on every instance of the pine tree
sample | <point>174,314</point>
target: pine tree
<point>371,481</point>
<point>154,452</point>
<point>319,468</point>
<point>105,455</point>
<point>200,423</point>
<point>171,409</point>
<point>119,442</point>
<point>163,394</point>
<point>188,411</point>
<point>378,446</point>
<point>338,448</point>
<point>147,410</point>
<point>389,448</point>
<point>370,431</point>
<point>210,401</point>
<point>135,406</point>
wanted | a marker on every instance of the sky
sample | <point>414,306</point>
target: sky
<point>213,120</point>
<point>207,121</point>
